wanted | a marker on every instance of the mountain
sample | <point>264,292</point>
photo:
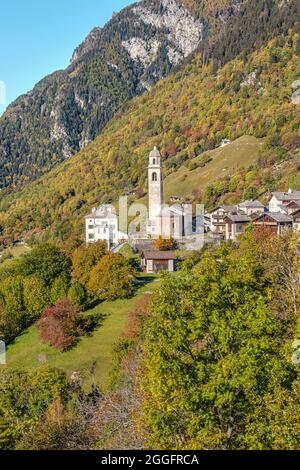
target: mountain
<point>139,46</point>
<point>66,110</point>
<point>186,115</point>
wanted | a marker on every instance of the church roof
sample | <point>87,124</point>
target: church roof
<point>155,153</point>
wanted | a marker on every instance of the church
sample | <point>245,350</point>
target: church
<point>163,220</point>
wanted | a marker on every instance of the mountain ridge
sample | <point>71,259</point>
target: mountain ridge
<point>143,43</point>
<point>67,109</point>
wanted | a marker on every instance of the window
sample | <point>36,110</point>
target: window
<point>154,161</point>
<point>91,236</point>
<point>91,227</point>
<point>154,176</point>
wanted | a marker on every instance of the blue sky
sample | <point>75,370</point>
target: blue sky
<point>38,37</point>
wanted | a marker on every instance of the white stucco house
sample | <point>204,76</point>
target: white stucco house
<point>280,201</point>
<point>102,224</point>
<point>251,207</point>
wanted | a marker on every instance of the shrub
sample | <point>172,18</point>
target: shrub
<point>59,289</point>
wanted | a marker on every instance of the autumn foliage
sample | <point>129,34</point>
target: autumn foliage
<point>165,244</point>
<point>112,278</point>
<point>137,317</point>
<point>59,325</point>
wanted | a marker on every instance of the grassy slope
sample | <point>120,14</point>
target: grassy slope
<point>225,161</point>
<point>97,348</point>
<point>188,109</point>
<point>16,252</point>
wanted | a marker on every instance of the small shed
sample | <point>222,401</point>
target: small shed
<point>156,261</point>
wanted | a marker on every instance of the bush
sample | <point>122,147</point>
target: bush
<point>60,325</point>
<point>112,278</point>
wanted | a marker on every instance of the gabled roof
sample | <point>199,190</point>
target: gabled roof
<point>289,196</point>
<point>226,208</point>
<point>251,204</point>
<point>283,208</point>
<point>159,255</point>
<point>238,218</point>
<point>295,213</point>
<point>276,216</point>
<point>293,204</point>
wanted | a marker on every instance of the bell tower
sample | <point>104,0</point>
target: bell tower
<point>155,183</point>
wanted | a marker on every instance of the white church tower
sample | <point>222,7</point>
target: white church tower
<point>155,191</point>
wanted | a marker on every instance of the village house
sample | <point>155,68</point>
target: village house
<point>156,261</point>
<point>289,208</point>
<point>217,218</point>
<point>102,224</point>
<point>296,220</point>
<point>251,207</point>
<point>275,221</point>
<point>279,200</point>
<point>235,225</point>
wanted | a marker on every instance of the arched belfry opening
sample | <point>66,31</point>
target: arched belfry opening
<point>154,177</point>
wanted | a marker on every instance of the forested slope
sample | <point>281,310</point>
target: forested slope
<point>139,46</point>
<point>186,114</point>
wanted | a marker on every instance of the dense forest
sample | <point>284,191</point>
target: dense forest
<point>184,115</point>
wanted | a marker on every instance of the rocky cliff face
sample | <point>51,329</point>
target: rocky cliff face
<point>67,109</point>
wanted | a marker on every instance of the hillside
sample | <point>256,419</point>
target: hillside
<point>139,46</point>
<point>93,351</point>
<point>202,171</point>
<point>66,110</point>
<point>185,115</point>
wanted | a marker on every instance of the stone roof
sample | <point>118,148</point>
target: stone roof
<point>226,208</point>
<point>283,208</point>
<point>277,216</point>
<point>239,218</point>
<point>159,255</point>
<point>251,203</point>
<point>290,195</point>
